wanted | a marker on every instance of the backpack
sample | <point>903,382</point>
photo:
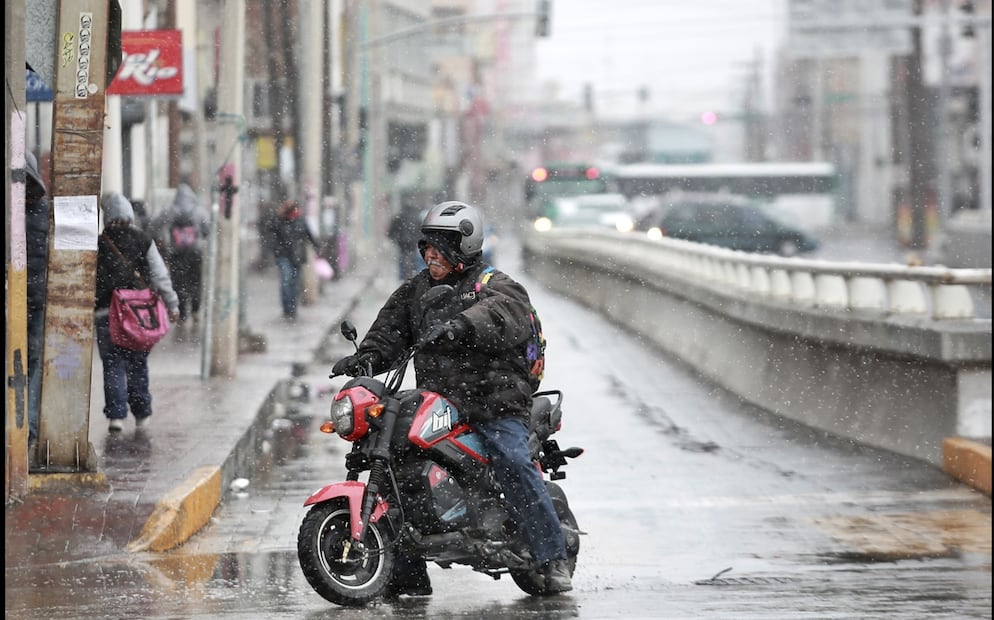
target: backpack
<point>183,233</point>
<point>535,347</point>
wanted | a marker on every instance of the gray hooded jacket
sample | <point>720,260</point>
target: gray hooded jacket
<point>185,205</point>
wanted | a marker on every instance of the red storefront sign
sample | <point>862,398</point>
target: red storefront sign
<point>151,64</point>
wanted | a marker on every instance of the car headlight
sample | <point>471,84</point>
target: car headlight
<point>543,224</point>
<point>624,224</point>
<point>342,416</point>
<point>654,233</point>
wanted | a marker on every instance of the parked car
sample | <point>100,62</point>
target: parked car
<point>725,220</point>
<point>588,211</point>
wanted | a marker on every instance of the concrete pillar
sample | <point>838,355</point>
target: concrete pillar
<point>77,148</point>
<point>15,300</point>
<point>874,185</point>
<point>113,160</point>
<point>131,19</point>
<point>311,28</point>
<point>223,336</point>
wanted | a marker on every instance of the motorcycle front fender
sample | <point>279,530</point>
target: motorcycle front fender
<point>353,492</point>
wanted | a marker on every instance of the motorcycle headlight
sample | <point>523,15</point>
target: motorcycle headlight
<point>342,416</point>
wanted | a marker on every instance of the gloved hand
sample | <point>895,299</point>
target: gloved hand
<point>354,365</point>
<point>448,332</point>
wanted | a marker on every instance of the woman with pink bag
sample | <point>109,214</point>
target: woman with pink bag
<point>126,257</point>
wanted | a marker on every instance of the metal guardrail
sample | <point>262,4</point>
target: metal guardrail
<point>891,290</point>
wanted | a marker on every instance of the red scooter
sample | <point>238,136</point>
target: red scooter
<point>430,491</point>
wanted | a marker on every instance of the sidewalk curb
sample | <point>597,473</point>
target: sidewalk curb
<point>968,461</point>
<point>182,512</point>
<point>186,509</point>
<point>45,482</point>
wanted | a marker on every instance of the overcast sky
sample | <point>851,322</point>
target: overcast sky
<point>693,55</point>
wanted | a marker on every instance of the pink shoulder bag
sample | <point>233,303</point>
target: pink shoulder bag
<point>138,317</point>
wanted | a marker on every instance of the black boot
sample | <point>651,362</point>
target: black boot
<point>557,577</point>
<point>410,577</point>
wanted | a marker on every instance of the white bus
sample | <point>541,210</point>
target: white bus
<point>800,193</point>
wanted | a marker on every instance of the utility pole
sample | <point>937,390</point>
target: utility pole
<point>310,18</point>
<point>77,154</point>
<point>944,206</point>
<point>174,119</point>
<point>921,146</point>
<point>222,339</point>
<point>276,64</point>
<point>984,55</point>
<point>15,131</point>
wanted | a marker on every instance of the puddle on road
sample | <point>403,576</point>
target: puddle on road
<point>897,536</point>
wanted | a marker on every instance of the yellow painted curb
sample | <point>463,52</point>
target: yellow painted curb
<point>181,513</point>
<point>66,482</point>
<point>968,461</point>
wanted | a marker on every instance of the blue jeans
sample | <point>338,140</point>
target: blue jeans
<point>527,499</point>
<point>125,376</point>
<point>289,285</point>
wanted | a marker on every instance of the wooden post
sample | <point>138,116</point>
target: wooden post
<point>16,446</point>
<point>77,154</point>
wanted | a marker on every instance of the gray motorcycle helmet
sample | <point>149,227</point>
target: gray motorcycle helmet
<point>457,221</point>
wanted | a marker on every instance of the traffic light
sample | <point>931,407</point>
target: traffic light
<point>543,9</point>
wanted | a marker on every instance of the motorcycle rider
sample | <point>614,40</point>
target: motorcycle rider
<point>475,357</point>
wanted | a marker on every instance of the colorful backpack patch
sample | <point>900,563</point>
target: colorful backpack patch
<point>184,234</point>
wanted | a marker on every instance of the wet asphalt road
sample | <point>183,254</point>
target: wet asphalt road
<point>694,506</point>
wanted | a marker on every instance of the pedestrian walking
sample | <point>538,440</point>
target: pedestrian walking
<point>126,257</point>
<point>265,226</point>
<point>291,236</point>
<point>181,232</point>
<point>404,231</point>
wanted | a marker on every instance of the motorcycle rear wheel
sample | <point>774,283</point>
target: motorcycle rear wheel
<point>532,581</point>
<point>320,544</point>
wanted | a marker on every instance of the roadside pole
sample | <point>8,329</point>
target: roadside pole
<point>77,154</point>
<point>16,353</point>
<point>224,288</point>
<point>313,129</point>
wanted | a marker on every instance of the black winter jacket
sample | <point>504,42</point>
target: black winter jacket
<point>291,238</point>
<point>485,374</point>
<point>113,272</point>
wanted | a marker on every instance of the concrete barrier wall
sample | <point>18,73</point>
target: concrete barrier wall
<point>899,383</point>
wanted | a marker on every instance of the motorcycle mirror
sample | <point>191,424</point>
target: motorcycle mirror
<point>436,295</point>
<point>349,331</point>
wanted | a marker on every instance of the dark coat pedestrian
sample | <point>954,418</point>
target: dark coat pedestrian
<point>291,238</point>
<point>181,234</point>
<point>404,231</point>
<point>265,225</point>
<point>125,372</point>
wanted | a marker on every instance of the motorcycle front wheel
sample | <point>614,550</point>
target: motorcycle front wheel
<point>351,579</point>
<point>532,581</point>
